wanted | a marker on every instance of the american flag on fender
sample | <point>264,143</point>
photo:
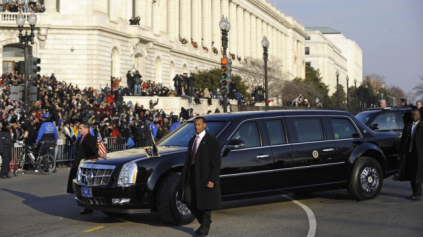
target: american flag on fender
<point>102,152</point>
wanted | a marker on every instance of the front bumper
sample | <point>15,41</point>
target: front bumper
<point>101,198</point>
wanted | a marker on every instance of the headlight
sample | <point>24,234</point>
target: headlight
<point>80,171</point>
<point>128,174</point>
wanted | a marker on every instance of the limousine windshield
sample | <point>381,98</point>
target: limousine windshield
<point>181,137</point>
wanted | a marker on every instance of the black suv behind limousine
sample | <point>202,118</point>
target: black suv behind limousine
<point>263,153</point>
<point>387,119</point>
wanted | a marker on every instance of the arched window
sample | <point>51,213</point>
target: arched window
<point>158,70</point>
<point>115,63</point>
<point>140,63</point>
<point>172,71</point>
<point>13,51</point>
<point>184,69</point>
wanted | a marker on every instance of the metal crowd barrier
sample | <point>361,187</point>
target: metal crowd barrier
<point>114,144</point>
<point>65,153</point>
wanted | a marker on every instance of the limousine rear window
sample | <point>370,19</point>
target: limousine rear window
<point>181,137</point>
<point>309,129</point>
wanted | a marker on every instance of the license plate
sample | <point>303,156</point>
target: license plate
<point>86,192</point>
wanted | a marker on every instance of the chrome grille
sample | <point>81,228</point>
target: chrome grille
<point>94,175</point>
<point>93,201</point>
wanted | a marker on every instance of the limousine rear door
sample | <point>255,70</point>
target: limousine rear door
<point>281,150</point>
<point>312,152</point>
<point>247,170</point>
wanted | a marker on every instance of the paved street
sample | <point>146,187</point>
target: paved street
<point>38,205</point>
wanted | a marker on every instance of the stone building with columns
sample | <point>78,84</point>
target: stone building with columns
<point>330,51</point>
<point>87,41</point>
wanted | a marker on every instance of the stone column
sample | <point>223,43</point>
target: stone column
<point>50,5</point>
<point>233,37</point>
<point>272,42</point>
<point>279,55</point>
<point>171,19</point>
<point>215,19</point>
<point>275,39</point>
<point>148,10</point>
<point>195,19</point>
<point>176,18</point>
<point>224,8</point>
<point>240,29</point>
<point>259,24</point>
<point>253,33</point>
<point>156,18</point>
<point>247,35</point>
<point>140,7</point>
<point>207,26</point>
<point>183,20</point>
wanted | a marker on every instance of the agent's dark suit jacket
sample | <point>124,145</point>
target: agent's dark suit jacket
<point>207,168</point>
<point>86,150</point>
<point>414,160</point>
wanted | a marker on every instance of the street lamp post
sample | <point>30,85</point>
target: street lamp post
<point>25,39</point>
<point>337,89</point>
<point>265,43</point>
<point>347,92</point>
<point>225,26</point>
<point>355,93</point>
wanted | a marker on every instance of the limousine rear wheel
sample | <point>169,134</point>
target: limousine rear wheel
<point>172,210</point>
<point>366,179</point>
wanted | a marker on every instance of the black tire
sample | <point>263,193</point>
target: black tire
<point>167,203</point>
<point>18,166</point>
<point>366,179</point>
<point>46,164</point>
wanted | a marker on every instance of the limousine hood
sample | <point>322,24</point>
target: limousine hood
<point>136,154</point>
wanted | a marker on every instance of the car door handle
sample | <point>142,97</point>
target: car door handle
<point>328,150</point>
<point>262,156</point>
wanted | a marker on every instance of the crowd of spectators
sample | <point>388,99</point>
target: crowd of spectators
<point>23,6</point>
<point>104,109</point>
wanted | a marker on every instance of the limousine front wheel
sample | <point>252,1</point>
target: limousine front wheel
<point>366,179</point>
<point>172,210</point>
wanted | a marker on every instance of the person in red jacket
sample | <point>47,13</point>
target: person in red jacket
<point>115,132</point>
<point>110,98</point>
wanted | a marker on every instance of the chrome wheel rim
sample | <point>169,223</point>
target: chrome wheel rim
<point>369,179</point>
<point>182,208</point>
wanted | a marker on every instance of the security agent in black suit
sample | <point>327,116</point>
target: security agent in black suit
<point>5,150</point>
<point>411,150</point>
<point>199,186</point>
<point>86,148</point>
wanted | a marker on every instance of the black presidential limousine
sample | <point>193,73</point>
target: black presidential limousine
<point>263,153</point>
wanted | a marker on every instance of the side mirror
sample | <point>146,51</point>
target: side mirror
<point>232,145</point>
<point>374,127</point>
<point>235,144</point>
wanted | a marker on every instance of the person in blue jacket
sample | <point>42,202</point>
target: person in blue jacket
<point>152,126</point>
<point>175,124</point>
<point>47,133</point>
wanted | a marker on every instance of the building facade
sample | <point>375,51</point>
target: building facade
<point>330,51</point>
<point>87,41</point>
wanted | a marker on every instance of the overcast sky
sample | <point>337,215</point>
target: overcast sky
<point>389,32</point>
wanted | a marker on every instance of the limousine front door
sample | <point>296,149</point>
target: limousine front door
<point>247,171</point>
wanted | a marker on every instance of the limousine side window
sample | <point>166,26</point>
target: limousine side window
<point>309,129</point>
<point>276,132</point>
<point>343,129</point>
<point>248,133</point>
